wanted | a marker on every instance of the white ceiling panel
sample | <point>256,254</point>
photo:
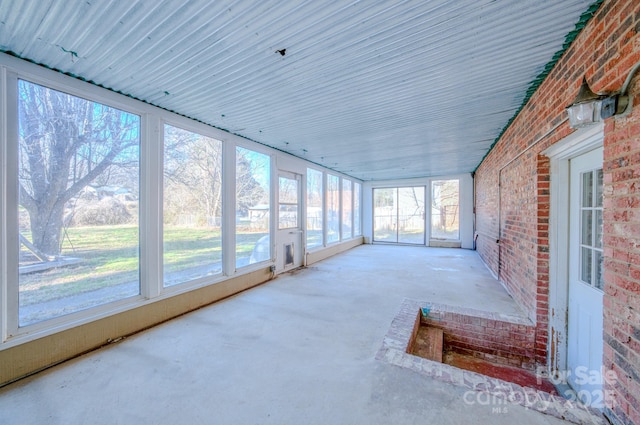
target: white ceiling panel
<point>375,89</point>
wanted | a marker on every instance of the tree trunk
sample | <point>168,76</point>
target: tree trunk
<point>46,229</point>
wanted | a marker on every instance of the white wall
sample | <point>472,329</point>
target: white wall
<point>466,204</point>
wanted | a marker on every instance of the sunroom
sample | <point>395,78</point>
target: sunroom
<point>167,163</point>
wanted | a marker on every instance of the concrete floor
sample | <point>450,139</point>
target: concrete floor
<point>298,350</point>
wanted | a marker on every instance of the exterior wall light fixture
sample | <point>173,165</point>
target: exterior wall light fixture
<point>589,108</point>
<point>585,108</point>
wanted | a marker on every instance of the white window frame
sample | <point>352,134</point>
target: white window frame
<point>273,218</point>
<point>205,131</point>
<point>152,120</point>
<point>86,91</point>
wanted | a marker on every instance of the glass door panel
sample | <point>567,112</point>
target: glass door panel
<point>591,229</point>
<point>398,215</point>
<point>288,203</point>
<point>411,215</point>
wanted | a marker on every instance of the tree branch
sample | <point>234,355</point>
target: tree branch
<point>106,162</point>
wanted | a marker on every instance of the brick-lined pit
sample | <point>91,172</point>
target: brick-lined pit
<point>396,346</point>
<point>499,338</point>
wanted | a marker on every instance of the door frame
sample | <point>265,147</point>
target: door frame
<point>300,231</point>
<point>577,143</point>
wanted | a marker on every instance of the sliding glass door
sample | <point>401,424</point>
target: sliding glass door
<point>398,215</point>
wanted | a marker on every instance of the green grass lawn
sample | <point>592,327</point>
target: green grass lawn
<point>109,257</point>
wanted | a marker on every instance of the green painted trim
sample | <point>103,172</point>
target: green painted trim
<point>537,82</point>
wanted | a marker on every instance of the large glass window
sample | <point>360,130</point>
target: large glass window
<point>399,215</point>
<point>314,208</point>
<point>385,215</point>
<point>347,209</point>
<point>333,208</point>
<point>253,205</point>
<point>192,206</point>
<point>357,225</point>
<point>445,216</point>
<point>78,172</point>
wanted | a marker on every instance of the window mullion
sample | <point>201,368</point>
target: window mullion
<point>3,204</point>
<point>397,200</point>
<point>325,213</point>
<point>151,206</point>
<point>228,228</point>
<point>8,206</point>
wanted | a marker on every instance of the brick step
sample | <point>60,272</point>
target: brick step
<point>428,343</point>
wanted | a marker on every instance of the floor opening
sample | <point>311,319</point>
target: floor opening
<point>429,343</point>
<point>499,346</point>
<point>500,342</point>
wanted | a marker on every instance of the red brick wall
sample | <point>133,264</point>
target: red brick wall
<point>512,198</point>
<point>622,258</point>
<point>492,336</point>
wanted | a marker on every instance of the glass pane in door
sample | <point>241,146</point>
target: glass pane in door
<point>288,203</point>
<point>591,228</point>
<point>587,189</point>
<point>587,228</point>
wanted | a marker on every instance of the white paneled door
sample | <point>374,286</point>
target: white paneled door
<point>585,309</point>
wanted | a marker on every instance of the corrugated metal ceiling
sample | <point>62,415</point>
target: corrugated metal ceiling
<point>375,89</point>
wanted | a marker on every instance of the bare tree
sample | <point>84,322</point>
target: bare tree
<point>193,174</point>
<point>65,144</point>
